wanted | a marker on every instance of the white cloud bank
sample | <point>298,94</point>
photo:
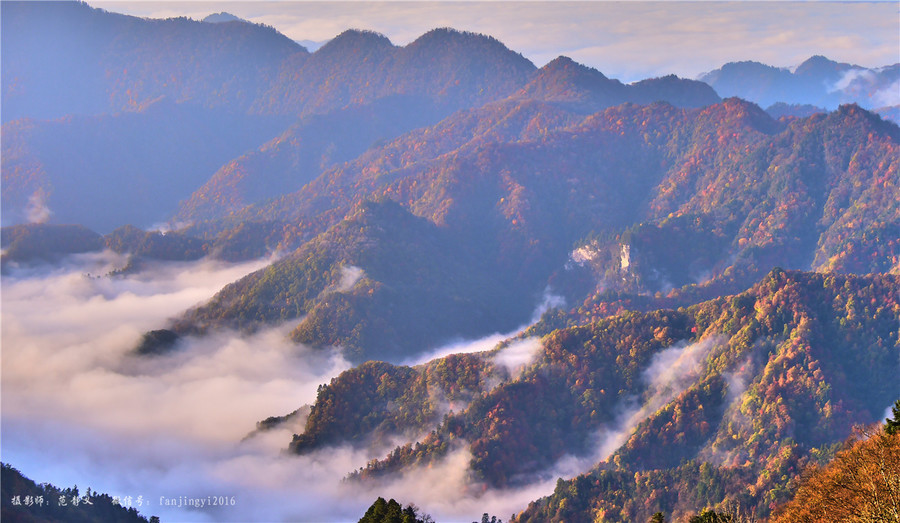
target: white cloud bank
<point>78,408</point>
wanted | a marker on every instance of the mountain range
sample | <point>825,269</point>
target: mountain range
<point>257,97</point>
<point>720,403</point>
<point>818,82</point>
<point>700,277</point>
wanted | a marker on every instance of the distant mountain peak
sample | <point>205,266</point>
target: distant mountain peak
<point>681,92</point>
<point>818,81</point>
<point>356,42</point>
<point>438,32</point>
<point>564,64</point>
<point>447,37</point>
<point>449,33</point>
<point>752,66</point>
<point>560,61</point>
<point>356,38</point>
<point>819,66</point>
<point>218,18</point>
<point>818,60</point>
<point>564,79</point>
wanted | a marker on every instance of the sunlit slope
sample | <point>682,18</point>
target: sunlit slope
<point>703,202</point>
<point>671,411</point>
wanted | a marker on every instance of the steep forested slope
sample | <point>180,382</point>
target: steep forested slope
<point>381,284</point>
<point>109,170</point>
<point>62,58</point>
<point>302,152</point>
<point>722,402</point>
<point>607,210</point>
<point>860,483</point>
<point>790,396</point>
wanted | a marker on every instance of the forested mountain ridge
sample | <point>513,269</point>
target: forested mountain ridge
<point>554,97</point>
<point>587,90</point>
<point>453,68</point>
<point>34,243</point>
<point>63,58</point>
<point>65,170</point>
<point>719,403</point>
<point>108,63</point>
<point>300,154</point>
<point>635,199</point>
<point>382,284</point>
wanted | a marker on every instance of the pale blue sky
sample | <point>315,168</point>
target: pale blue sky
<point>627,40</point>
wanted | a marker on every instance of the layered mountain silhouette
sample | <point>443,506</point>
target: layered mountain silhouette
<point>253,84</point>
<point>108,170</point>
<point>67,58</point>
<point>703,201</point>
<point>818,81</point>
<point>701,276</point>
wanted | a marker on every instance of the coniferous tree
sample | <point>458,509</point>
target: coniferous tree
<point>892,425</point>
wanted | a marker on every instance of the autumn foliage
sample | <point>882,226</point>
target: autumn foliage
<point>861,483</point>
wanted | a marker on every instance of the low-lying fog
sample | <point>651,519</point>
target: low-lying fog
<point>78,408</point>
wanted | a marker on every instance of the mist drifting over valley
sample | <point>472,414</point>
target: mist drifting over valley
<point>587,261</point>
<point>182,426</point>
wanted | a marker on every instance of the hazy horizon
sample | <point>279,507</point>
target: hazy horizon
<point>629,40</point>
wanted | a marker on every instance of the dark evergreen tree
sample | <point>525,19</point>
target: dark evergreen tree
<point>711,516</point>
<point>892,425</point>
<point>382,511</point>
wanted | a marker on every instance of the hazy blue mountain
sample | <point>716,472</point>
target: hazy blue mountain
<point>67,58</point>
<point>543,205</point>
<point>355,92</point>
<point>302,152</point>
<point>132,167</point>
<point>818,81</point>
<point>312,45</point>
<point>218,18</point>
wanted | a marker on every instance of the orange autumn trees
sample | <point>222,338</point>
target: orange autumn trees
<point>861,483</point>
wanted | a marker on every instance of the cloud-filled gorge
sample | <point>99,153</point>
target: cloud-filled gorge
<point>80,408</point>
